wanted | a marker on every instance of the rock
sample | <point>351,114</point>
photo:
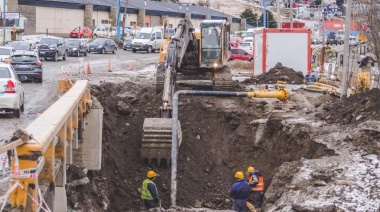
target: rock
<point>347,119</point>
<point>208,204</point>
<point>198,137</point>
<point>197,204</point>
<point>319,183</point>
<point>302,207</point>
<point>75,183</point>
<point>264,102</point>
<point>227,201</point>
<point>278,66</point>
<point>328,117</point>
<point>345,182</point>
<point>284,77</point>
<point>139,190</point>
<point>123,108</point>
<point>359,117</point>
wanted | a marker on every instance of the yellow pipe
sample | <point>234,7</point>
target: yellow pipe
<point>325,85</point>
<point>281,82</point>
<point>281,94</point>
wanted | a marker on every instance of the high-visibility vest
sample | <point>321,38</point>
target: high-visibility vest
<point>260,186</point>
<point>145,193</point>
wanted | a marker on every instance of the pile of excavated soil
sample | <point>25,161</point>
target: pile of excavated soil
<point>220,137</point>
<point>239,64</point>
<point>278,73</point>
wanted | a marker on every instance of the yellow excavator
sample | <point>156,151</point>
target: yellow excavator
<point>189,56</point>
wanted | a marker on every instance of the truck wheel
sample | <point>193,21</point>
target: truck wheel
<point>114,51</point>
<point>64,56</point>
<point>103,51</point>
<point>85,53</point>
<point>17,113</point>
<point>250,60</point>
<point>149,49</point>
<point>56,57</point>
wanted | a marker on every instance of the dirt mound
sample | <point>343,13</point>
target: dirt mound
<point>278,73</point>
<point>354,109</point>
<point>239,64</point>
<point>219,138</point>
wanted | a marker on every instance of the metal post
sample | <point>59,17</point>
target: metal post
<point>291,14</point>
<point>125,16</point>
<point>4,3</point>
<point>118,21</point>
<point>278,14</point>
<point>323,43</point>
<point>208,9</point>
<point>264,14</point>
<point>346,51</point>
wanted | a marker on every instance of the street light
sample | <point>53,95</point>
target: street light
<point>118,21</point>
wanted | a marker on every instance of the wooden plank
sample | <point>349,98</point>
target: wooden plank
<point>11,145</point>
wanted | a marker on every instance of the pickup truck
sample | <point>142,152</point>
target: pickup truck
<point>52,47</point>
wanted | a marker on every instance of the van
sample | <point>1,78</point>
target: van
<point>100,31</point>
<point>148,39</point>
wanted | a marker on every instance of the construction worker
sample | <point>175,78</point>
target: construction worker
<point>149,191</point>
<point>256,182</point>
<point>240,191</point>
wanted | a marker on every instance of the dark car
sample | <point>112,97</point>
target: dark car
<point>27,65</point>
<point>76,47</point>
<point>332,39</point>
<point>240,54</point>
<point>52,47</point>
<point>128,43</point>
<point>102,45</point>
<point>21,45</point>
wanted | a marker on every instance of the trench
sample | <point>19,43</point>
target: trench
<point>220,137</point>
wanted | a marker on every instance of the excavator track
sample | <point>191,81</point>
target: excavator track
<point>157,141</point>
<point>222,79</point>
<point>160,79</point>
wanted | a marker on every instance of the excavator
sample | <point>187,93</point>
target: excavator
<point>189,56</point>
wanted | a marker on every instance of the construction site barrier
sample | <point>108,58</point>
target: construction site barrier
<point>42,156</point>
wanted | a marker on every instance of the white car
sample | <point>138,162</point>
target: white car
<point>246,46</point>
<point>11,91</point>
<point>354,41</point>
<point>6,52</point>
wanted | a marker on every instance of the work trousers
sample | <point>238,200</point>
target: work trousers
<point>240,205</point>
<point>258,199</point>
<point>149,204</point>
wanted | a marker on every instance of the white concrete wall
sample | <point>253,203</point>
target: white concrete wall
<point>175,21</point>
<point>58,20</point>
<point>197,23</point>
<point>98,16</point>
<point>130,18</point>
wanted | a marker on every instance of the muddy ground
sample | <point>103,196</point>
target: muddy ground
<point>307,153</point>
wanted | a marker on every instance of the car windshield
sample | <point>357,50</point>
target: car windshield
<point>99,41</point>
<point>143,35</point>
<point>4,73</point>
<point>5,51</point>
<point>233,38</point>
<point>331,36</point>
<point>244,44</point>
<point>73,42</point>
<point>24,58</point>
<point>49,41</point>
<point>20,45</point>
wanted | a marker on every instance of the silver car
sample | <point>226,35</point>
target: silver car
<point>11,91</point>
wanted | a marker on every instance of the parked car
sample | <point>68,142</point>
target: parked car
<point>100,31</point>
<point>240,54</point>
<point>11,91</point>
<point>81,32</point>
<point>148,39</point>
<point>354,41</point>
<point>6,52</point>
<point>234,41</point>
<point>331,39</point>
<point>103,45</point>
<point>316,40</point>
<point>27,65</point>
<point>76,47</point>
<point>52,47</point>
<point>21,45</point>
<point>246,46</point>
<point>128,43</point>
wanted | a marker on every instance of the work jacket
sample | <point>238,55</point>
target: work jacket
<point>256,181</point>
<point>240,190</point>
<point>149,190</point>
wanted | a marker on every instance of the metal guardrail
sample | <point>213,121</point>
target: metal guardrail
<point>35,160</point>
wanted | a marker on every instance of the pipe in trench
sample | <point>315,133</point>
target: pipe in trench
<point>281,94</point>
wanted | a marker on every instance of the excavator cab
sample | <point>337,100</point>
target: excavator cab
<point>214,43</point>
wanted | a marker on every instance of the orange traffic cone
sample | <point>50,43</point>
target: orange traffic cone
<point>109,65</point>
<point>131,67</point>
<point>88,68</point>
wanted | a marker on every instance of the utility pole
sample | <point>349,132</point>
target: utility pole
<point>323,42</point>
<point>291,14</point>
<point>346,52</point>
<point>208,9</point>
<point>265,14</point>
<point>125,16</point>
<point>278,14</point>
<point>4,3</point>
<point>118,21</point>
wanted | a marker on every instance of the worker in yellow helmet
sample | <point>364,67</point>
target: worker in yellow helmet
<point>149,192</point>
<point>256,181</point>
<point>240,191</point>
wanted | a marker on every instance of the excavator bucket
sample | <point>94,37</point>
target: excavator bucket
<point>156,145</point>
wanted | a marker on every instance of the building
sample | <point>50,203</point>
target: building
<point>59,17</point>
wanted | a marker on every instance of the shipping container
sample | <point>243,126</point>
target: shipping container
<point>295,25</point>
<point>291,47</point>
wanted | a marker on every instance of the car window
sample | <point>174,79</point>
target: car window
<point>242,51</point>
<point>24,58</point>
<point>5,73</point>
<point>244,44</point>
<point>234,51</point>
<point>5,51</point>
<point>158,35</point>
<point>49,41</point>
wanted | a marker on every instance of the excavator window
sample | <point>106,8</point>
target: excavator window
<point>211,43</point>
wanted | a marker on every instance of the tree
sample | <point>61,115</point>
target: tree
<point>249,16</point>
<point>271,22</point>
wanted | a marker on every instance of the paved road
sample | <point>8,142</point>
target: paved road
<point>38,97</point>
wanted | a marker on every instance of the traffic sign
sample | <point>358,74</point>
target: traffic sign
<point>11,15</point>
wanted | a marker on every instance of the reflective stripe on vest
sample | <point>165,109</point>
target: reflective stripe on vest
<point>260,185</point>
<point>145,193</point>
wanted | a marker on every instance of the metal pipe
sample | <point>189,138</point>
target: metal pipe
<point>346,49</point>
<point>282,94</point>
<point>264,14</point>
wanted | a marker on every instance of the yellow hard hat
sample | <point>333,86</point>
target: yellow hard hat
<point>239,175</point>
<point>151,174</point>
<point>251,168</point>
